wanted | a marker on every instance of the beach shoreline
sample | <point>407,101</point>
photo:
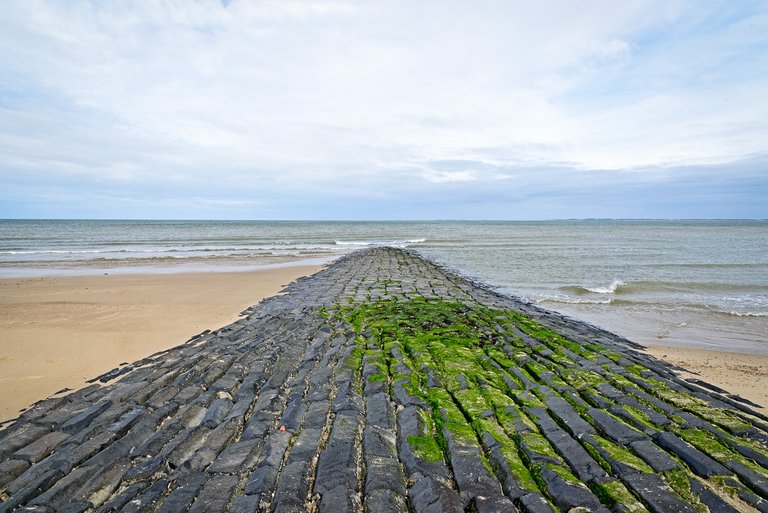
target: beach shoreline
<point>58,332</point>
<point>743,374</point>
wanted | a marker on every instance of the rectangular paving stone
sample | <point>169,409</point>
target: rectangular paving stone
<point>40,448</point>
<point>699,462</point>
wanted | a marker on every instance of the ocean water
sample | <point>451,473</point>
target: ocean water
<point>696,283</point>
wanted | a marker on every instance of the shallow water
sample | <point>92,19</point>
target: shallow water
<point>702,283</point>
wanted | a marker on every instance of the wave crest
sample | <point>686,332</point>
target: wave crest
<point>579,290</point>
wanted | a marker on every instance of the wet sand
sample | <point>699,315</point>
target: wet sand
<point>58,332</point>
<point>738,373</point>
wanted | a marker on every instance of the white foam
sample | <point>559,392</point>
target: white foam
<point>611,289</point>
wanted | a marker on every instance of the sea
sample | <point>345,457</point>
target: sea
<point>700,283</point>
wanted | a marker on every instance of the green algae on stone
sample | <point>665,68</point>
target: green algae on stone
<point>426,448</point>
<point>612,492</point>
<point>680,481</point>
<point>620,454</point>
<point>509,451</point>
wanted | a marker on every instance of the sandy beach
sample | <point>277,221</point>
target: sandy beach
<point>738,373</point>
<point>58,332</point>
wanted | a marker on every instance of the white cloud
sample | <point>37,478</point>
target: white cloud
<point>295,93</point>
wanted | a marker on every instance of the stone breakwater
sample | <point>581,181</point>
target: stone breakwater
<point>386,383</point>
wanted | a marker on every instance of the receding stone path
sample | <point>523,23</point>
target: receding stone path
<point>386,383</point>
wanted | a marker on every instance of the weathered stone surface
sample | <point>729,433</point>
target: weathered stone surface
<point>699,462</point>
<point>40,448</point>
<point>656,494</point>
<point>431,496</point>
<point>388,383</point>
<point>659,460</point>
<point>614,428</point>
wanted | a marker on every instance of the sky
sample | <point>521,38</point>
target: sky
<point>335,109</point>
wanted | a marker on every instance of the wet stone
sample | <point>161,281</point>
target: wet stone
<point>11,469</point>
<point>613,428</point>
<point>292,487</point>
<point>757,482</point>
<point>385,501</point>
<point>215,495</point>
<point>710,499</point>
<point>383,474</point>
<point>534,503</point>
<point>432,496</point>
<point>659,460</point>
<point>40,448</point>
<point>699,462</point>
<point>566,494</point>
<point>656,494</point>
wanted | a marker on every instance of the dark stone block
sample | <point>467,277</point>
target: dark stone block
<point>379,442</point>
<point>471,474</point>
<point>63,490</point>
<point>339,500</point>
<point>102,484</point>
<point>534,503</point>
<point>306,445</point>
<point>755,456</point>
<point>429,495</point>
<point>506,476</point>
<point>215,495</point>
<point>493,504</point>
<point>40,448</point>
<point>567,495</point>
<point>121,499</point>
<point>11,469</point>
<point>655,417</point>
<point>383,474</point>
<point>82,419</point>
<point>148,499</point>
<point>614,429</point>
<point>336,464</point>
<point>755,481</point>
<point>572,452</point>
<point>292,486</point>
<point>385,501</point>
<point>33,489</point>
<point>699,462</point>
<point>609,391</point>
<point>379,411</point>
<point>316,415</point>
<point>126,420</point>
<point>659,460</point>
<point>18,437</point>
<point>656,494</point>
<point>217,412</point>
<point>710,499</point>
<point>403,397</point>
<point>262,480</point>
<point>410,424</point>
<point>213,445</point>
<point>244,504</point>
<point>561,409</point>
<point>183,494</point>
<point>75,507</point>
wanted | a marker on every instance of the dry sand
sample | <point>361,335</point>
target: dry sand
<point>738,373</point>
<point>57,332</point>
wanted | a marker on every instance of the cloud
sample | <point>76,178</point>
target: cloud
<point>300,100</point>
